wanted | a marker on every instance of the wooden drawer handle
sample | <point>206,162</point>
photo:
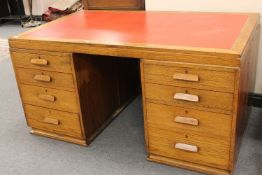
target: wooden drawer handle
<point>41,62</point>
<point>186,77</point>
<point>51,121</point>
<point>186,147</point>
<point>186,120</point>
<point>186,97</point>
<point>47,97</point>
<point>44,78</point>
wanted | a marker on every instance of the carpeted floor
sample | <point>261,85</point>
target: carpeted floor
<point>7,30</point>
<point>119,150</point>
<point>4,52</point>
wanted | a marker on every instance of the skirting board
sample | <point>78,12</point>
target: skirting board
<point>255,100</point>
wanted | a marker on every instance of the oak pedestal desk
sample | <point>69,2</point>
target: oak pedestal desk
<point>77,73</point>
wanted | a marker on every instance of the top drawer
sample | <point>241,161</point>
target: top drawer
<point>189,75</point>
<point>51,62</point>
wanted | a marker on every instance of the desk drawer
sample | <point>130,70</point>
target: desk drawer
<point>45,78</point>
<point>51,62</point>
<point>53,121</point>
<point>190,98</point>
<point>189,147</point>
<point>175,118</point>
<point>50,98</point>
<point>190,76</point>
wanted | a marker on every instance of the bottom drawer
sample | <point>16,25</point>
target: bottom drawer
<point>53,121</point>
<point>189,147</point>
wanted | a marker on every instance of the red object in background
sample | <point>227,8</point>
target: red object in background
<point>206,30</point>
<point>61,9</point>
<point>52,14</point>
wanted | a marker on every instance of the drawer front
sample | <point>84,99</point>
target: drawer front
<point>53,121</point>
<point>52,62</point>
<point>189,147</point>
<point>50,98</point>
<point>182,76</point>
<point>190,98</point>
<point>45,78</point>
<point>176,118</point>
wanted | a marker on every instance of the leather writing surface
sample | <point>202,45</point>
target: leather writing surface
<point>205,30</point>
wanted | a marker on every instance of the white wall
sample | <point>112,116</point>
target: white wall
<point>214,5</point>
<point>39,6</point>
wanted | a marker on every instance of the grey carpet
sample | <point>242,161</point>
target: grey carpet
<point>119,150</point>
<point>9,29</point>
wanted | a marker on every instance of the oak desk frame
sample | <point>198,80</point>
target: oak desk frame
<point>240,60</point>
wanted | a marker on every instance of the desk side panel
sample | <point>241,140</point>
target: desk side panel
<point>97,89</point>
<point>244,86</point>
<point>105,87</point>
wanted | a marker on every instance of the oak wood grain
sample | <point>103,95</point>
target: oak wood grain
<point>221,78</point>
<point>211,152</point>
<point>97,88</point>
<point>187,165</point>
<point>208,100</point>
<point>53,135</point>
<point>244,86</point>
<point>55,61</point>
<point>209,123</point>
<point>51,79</point>
<point>114,4</point>
<point>63,100</point>
<point>54,121</point>
<point>207,77</point>
<point>104,86</point>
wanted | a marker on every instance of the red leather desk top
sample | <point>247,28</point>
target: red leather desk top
<point>205,30</point>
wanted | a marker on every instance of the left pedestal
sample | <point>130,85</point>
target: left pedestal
<point>72,97</point>
<point>48,91</point>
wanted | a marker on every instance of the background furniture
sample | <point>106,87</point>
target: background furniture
<point>196,72</point>
<point>4,10</point>
<point>31,22</point>
<point>11,10</point>
<point>114,4</point>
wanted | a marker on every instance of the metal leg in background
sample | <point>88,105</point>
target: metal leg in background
<point>31,22</point>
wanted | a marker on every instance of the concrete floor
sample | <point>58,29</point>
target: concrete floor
<point>119,150</point>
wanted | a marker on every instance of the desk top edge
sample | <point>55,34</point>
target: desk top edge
<point>236,50</point>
